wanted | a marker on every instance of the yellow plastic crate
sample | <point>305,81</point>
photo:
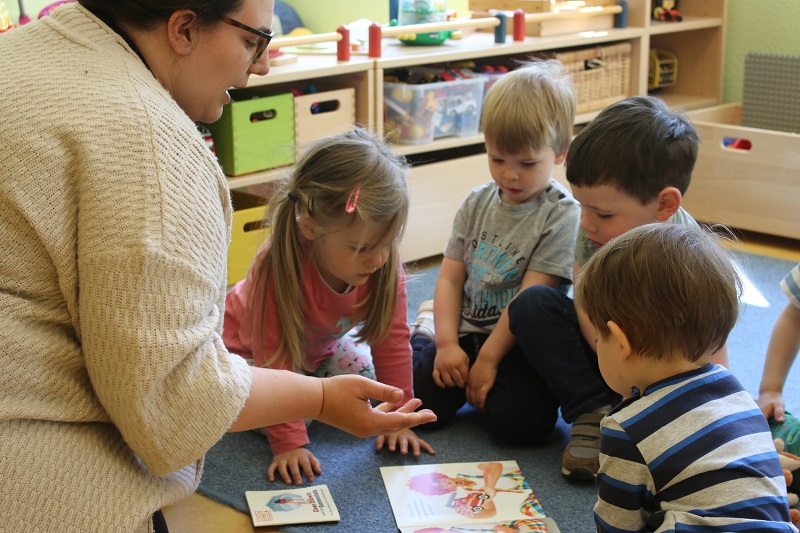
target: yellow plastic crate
<point>662,69</point>
<point>248,233</point>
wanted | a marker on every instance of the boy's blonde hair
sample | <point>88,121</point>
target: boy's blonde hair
<point>531,107</point>
<point>322,184</point>
<point>671,288</point>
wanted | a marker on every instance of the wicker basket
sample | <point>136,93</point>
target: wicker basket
<point>601,75</point>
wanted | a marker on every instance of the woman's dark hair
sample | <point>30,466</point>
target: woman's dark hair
<point>146,14</point>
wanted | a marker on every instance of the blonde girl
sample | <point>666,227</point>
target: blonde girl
<point>330,265</point>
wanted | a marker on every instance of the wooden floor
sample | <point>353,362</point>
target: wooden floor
<point>198,514</point>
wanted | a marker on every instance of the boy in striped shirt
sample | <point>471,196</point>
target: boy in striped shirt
<point>688,448</point>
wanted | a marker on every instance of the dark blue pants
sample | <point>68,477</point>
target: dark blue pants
<point>548,333</point>
<point>520,408</point>
<point>159,522</point>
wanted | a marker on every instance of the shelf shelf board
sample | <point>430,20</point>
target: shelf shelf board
<point>585,118</point>
<point>481,44</point>
<point>310,66</point>
<point>257,178</point>
<point>687,24</point>
<point>438,144</point>
<point>688,102</point>
<point>457,142</point>
<point>677,101</point>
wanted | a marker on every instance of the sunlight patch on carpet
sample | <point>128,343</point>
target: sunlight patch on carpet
<point>750,294</point>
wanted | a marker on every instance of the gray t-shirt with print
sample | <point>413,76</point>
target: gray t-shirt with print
<point>498,243</point>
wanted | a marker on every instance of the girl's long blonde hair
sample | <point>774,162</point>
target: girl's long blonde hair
<point>322,183</point>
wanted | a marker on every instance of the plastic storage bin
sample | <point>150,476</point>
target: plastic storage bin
<point>744,177</point>
<point>413,12</point>
<point>421,113</point>
<point>321,114</point>
<point>248,233</point>
<point>255,132</point>
<point>490,79</point>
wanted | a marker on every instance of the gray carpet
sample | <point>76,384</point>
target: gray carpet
<point>351,466</point>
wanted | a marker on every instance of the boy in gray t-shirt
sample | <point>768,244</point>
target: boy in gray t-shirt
<point>509,234</point>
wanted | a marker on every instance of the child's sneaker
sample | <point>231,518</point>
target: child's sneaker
<point>789,432</point>
<point>581,458</point>
<point>423,325</point>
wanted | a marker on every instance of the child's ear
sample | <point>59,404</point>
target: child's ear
<point>669,201</point>
<point>307,227</point>
<point>560,158</point>
<point>620,337</point>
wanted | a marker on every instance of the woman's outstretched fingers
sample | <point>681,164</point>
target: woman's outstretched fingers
<point>345,405</point>
<point>407,420</point>
<point>409,407</point>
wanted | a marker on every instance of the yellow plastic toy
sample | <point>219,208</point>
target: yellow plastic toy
<point>663,69</point>
<point>5,18</point>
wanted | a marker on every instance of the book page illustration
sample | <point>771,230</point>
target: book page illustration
<point>292,506</point>
<point>462,494</point>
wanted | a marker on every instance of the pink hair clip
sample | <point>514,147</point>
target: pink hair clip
<point>352,200</point>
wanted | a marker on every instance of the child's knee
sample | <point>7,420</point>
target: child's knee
<point>349,357</point>
<point>522,427</point>
<point>538,298</point>
<point>534,304</point>
<point>526,419</point>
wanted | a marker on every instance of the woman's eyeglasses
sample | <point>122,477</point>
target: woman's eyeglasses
<point>263,37</point>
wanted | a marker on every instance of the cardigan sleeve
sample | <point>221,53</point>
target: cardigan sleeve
<point>153,230</point>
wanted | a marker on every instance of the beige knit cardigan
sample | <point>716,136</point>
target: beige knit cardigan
<point>114,225</point>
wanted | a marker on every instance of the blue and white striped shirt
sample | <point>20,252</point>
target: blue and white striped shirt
<point>693,453</point>
<point>791,285</point>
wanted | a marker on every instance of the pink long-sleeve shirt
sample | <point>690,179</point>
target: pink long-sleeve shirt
<point>329,315</point>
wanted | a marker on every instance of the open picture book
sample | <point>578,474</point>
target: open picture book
<point>464,497</point>
<point>299,505</point>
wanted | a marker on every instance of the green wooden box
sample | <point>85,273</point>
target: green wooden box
<point>255,132</point>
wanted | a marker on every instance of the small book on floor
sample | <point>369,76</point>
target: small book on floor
<point>463,497</point>
<point>300,505</point>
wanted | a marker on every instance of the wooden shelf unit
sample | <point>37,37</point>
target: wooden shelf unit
<point>438,187</point>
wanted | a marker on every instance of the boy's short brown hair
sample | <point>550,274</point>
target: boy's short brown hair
<point>531,107</point>
<point>638,145</point>
<point>671,288</point>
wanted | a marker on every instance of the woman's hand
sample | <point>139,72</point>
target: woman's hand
<point>293,464</point>
<point>346,405</point>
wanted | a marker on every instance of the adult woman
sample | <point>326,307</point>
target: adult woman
<point>114,222</point>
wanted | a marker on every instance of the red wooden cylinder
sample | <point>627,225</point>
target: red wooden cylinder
<point>343,46</point>
<point>519,25</point>
<point>375,40</point>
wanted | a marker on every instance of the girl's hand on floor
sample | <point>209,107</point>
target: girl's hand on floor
<point>292,464</point>
<point>401,441</point>
<point>346,405</point>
